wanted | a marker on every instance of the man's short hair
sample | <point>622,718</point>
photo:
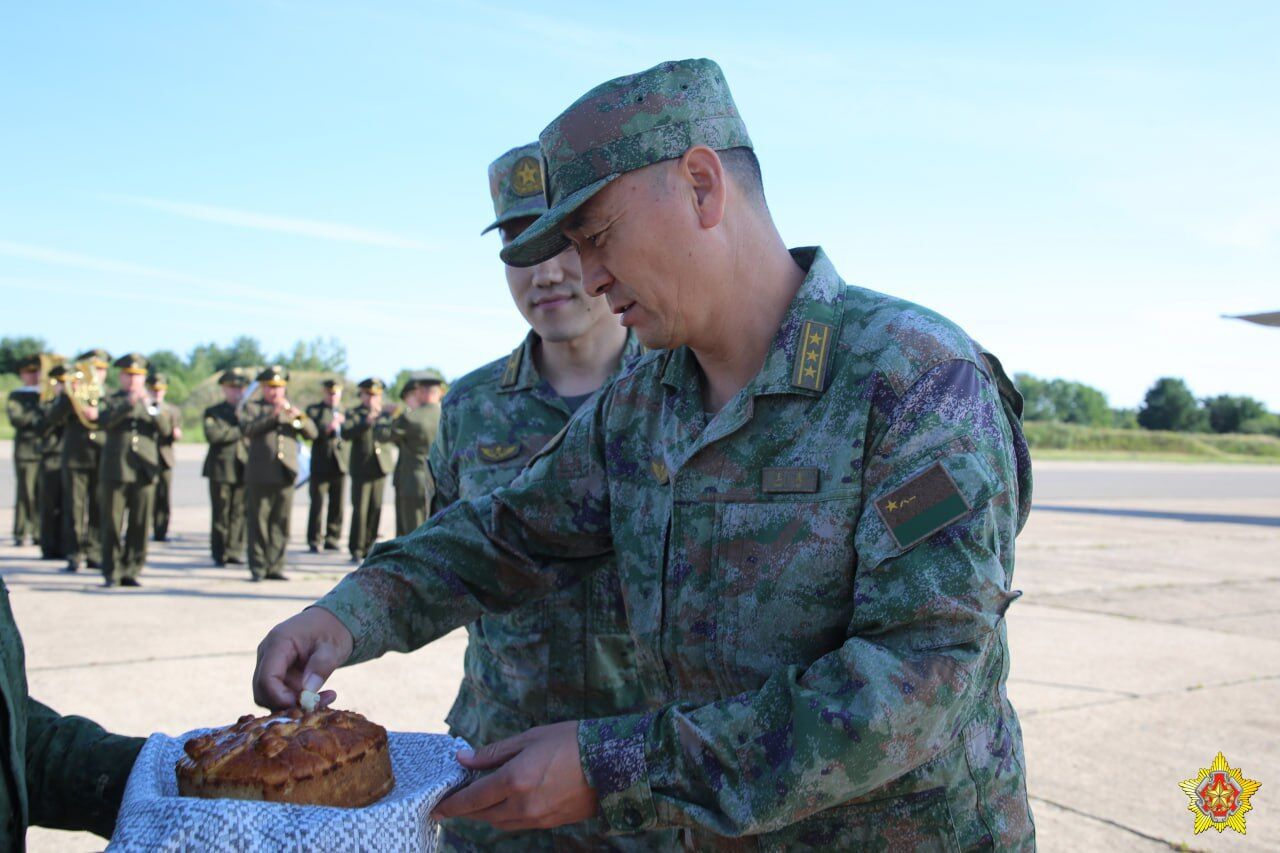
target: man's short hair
<point>742,165</point>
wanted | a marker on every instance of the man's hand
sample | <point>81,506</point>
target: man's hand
<point>537,782</point>
<point>177,433</point>
<point>299,654</point>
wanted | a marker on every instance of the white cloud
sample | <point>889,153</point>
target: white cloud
<point>314,228</point>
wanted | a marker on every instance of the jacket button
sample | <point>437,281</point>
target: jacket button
<point>280,454</point>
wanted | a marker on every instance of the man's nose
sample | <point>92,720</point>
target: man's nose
<point>549,272</point>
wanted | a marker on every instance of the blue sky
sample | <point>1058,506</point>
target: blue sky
<point>1085,187</point>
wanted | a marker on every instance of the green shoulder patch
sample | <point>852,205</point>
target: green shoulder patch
<point>498,452</point>
<point>922,506</point>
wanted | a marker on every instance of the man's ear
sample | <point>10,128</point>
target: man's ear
<point>701,168</point>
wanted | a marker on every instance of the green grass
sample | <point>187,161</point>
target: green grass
<point>1050,440</point>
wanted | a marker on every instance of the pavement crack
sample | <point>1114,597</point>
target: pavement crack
<point>1116,824</point>
<point>133,661</point>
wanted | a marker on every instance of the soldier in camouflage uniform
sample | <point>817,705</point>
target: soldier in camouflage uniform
<point>52,546</point>
<point>60,772</point>
<point>169,420</point>
<point>130,467</point>
<point>328,470</point>
<point>369,462</point>
<point>413,431</point>
<point>815,539</point>
<point>82,442</point>
<point>274,427</point>
<point>224,468</point>
<point>23,408</point>
<point>569,656</point>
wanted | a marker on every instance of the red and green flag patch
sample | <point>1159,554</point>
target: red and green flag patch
<point>922,506</point>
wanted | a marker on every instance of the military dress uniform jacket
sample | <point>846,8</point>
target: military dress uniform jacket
<point>816,578</point>
<point>370,454</point>
<point>228,451</point>
<point>413,432</point>
<point>60,772</point>
<point>81,446</point>
<point>273,444</point>
<point>328,452</point>
<point>132,451</point>
<point>23,408</point>
<point>169,418</point>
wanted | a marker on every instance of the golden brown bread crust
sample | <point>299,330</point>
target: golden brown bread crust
<point>325,757</point>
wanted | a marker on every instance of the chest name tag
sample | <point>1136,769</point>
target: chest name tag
<point>498,452</point>
<point>924,505</point>
<point>782,480</point>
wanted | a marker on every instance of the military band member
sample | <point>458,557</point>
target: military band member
<point>328,470</point>
<point>370,461</point>
<point>130,467</point>
<point>52,545</point>
<point>224,468</point>
<point>274,427</point>
<point>76,411</point>
<point>23,408</point>
<point>169,419</point>
<point>413,431</point>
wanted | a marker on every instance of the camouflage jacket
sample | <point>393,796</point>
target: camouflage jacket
<point>816,578</point>
<point>61,772</point>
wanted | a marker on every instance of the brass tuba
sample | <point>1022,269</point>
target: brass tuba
<point>83,391</point>
<point>49,385</point>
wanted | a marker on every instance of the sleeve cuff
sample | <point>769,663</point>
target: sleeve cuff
<point>356,614</point>
<point>612,751</point>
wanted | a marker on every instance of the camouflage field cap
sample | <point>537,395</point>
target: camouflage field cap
<point>622,125</point>
<point>515,183</point>
<point>275,375</point>
<point>134,362</point>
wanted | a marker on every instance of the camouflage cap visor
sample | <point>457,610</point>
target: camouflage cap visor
<point>543,239</point>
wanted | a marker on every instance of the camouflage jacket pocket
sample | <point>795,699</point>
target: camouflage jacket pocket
<point>920,822</point>
<point>783,562</point>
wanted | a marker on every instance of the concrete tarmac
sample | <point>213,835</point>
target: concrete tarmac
<point>1147,640</point>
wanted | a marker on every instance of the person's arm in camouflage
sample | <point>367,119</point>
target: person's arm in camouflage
<point>921,650</point>
<point>442,465</point>
<point>218,431</point>
<point>76,771</point>
<point>488,555</point>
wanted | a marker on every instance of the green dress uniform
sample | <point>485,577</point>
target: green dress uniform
<point>328,480</point>
<point>565,657</point>
<point>269,478</point>
<point>59,772</point>
<point>52,544</point>
<point>413,432</point>
<point>816,576</point>
<point>169,419</point>
<point>130,467</point>
<point>81,457</point>
<point>370,462</point>
<point>23,407</point>
<point>224,468</point>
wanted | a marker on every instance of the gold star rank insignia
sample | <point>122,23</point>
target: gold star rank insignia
<point>811,358</point>
<point>1220,796</point>
<point>526,177</point>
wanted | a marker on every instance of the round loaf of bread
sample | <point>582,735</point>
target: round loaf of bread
<point>323,758</point>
